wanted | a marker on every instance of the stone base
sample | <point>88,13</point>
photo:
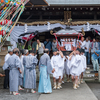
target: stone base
<point>1,82</point>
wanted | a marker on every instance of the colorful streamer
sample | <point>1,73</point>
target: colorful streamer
<point>10,12</point>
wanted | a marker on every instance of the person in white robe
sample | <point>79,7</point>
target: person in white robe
<point>67,69</point>
<point>30,63</point>
<point>64,71</point>
<point>84,64</point>
<point>14,64</point>
<point>57,62</point>
<point>74,63</point>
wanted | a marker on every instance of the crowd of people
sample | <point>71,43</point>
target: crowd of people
<point>92,51</point>
<point>20,70</point>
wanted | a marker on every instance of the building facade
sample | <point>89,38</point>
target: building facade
<point>59,11</point>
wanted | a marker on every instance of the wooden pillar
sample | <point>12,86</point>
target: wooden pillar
<point>67,15</point>
<point>95,15</point>
<point>40,17</point>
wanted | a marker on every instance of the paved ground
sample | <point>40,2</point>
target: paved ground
<point>67,93</point>
<point>95,87</point>
<point>4,95</point>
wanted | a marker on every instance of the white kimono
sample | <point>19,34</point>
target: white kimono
<point>75,65</point>
<point>67,69</point>
<point>22,66</point>
<point>84,65</point>
<point>58,63</point>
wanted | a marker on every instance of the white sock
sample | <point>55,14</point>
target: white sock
<point>32,90</point>
<point>59,84</point>
<point>19,87</point>
<point>14,93</point>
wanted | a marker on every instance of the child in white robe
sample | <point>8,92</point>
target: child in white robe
<point>57,62</point>
<point>74,64</point>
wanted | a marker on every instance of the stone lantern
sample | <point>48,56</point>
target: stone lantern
<point>3,52</point>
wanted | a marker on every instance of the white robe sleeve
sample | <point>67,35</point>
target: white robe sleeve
<point>18,62</point>
<point>5,66</point>
<point>85,64</point>
<point>52,62</point>
<point>76,61</point>
<point>70,62</point>
<point>61,62</point>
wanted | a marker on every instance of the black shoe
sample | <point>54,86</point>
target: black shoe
<point>6,88</point>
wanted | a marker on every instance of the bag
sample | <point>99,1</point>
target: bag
<point>46,44</point>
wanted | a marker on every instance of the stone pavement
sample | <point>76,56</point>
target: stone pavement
<point>4,95</point>
<point>95,87</point>
<point>68,93</point>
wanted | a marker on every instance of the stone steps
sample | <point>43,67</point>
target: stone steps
<point>89,74</point>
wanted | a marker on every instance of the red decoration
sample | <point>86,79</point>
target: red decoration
<point>5,22</point>
<point>2,32</point>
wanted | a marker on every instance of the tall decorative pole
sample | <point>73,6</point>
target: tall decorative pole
<point>14,9</point>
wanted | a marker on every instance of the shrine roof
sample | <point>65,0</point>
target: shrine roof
<point>73,2</point>
<point>37,3</point>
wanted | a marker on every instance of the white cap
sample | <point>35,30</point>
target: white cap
<point>26,51</point>
<point>10,50</point>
